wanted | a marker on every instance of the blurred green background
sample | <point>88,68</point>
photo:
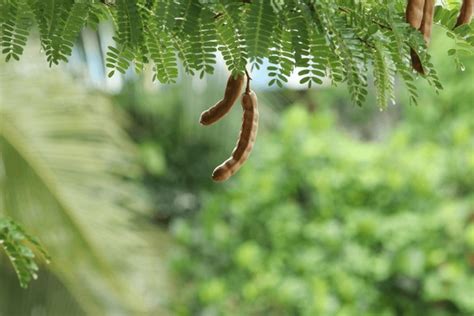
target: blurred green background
<point>339,211</point>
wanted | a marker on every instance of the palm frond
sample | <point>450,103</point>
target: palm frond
<point>67,168</point>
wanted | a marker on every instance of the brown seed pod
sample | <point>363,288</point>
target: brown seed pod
<point>246,140</point>
<point>466,13</point>
<point>221,108</point>
<point>427,22</point>
<point>414,12</point>
<point>419,14</point>
<point>416,62</point>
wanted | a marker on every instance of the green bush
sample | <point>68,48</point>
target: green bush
<point>320,224</point>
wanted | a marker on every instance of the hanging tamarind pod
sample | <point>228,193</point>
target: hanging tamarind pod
<point>427,21</point>
<point>416,62</point>
<point>466,13</point>
<point>414,16</point>
<point>248,133</point>
<point>419,14</point>
<point>414,12</point>
<point>221,108</point>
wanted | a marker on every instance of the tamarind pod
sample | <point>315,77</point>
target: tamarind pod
<point>221,108</point>
<point>416,62</point>
<point>427,22</point>
<point>414,15</point>
<point>245,142</point>
<point>466,13</point>
<point>414,12</point>
<point>425,29</point>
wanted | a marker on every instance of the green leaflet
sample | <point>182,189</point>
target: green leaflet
<point>19,248</point>
<point>260,21</point>
<point>16,22</point>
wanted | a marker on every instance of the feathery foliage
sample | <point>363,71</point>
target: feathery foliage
<point>343,40</point>
<point>19,247</point>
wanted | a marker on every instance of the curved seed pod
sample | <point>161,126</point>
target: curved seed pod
<point>414,12</point>
<point>419,14</point>
<point>221,108</point>
<point>416,62</point>
<point>245,142</point>
<point>427,22</point>
<point>466,13</point>
<point>414,16</point>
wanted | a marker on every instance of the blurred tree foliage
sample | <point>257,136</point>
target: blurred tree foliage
<point>341,228</point>
<point>320,223</point>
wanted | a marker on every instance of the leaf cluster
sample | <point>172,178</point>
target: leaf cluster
<point>343,40</point>
<point>19,247</point>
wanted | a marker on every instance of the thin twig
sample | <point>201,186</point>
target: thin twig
<point>247,89</point>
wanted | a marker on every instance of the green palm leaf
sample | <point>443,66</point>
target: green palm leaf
<point>65,174</point>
